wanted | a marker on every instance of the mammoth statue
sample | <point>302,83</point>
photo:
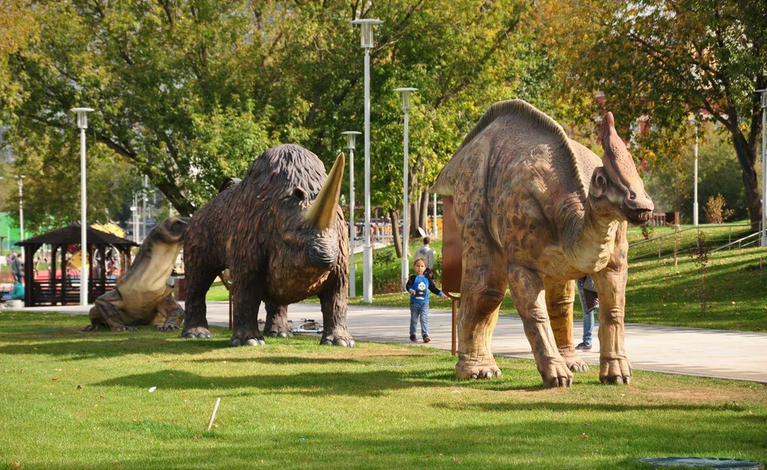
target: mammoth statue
<point>282,235</point>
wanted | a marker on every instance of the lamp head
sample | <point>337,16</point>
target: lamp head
<point>351,137</point>
<point>82,116</point>
<point>366,38</point>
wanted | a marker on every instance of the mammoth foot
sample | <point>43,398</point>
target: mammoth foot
<point>246,338</point>
<point>483,370</point>
<point>337,340</point>
<point>93,328</point>
<point>280,334</point>
<point>574,363</point>
<point>555,372</point>
<point>197,332</point>
<point>615,371</point>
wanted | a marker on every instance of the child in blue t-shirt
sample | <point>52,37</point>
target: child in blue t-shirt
<point>419,286</point>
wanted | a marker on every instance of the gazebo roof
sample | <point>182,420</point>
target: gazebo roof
<point>71,236</point>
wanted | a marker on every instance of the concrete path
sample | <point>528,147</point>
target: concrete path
<point>686,351</point>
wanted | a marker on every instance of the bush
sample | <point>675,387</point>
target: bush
<point>647,230</point>
<point>383,258</point>
<point>715,211</point>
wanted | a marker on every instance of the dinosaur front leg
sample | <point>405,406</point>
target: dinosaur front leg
<point>529,299</point>
<point>560,296</point>
<point>614,366</point>
<point>172,312</point>
<point>106,311</point>
<point>277,321</point>
<point>246,298</point>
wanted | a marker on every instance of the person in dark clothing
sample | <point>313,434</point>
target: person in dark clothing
<point>419,285</point>
<point>590,305</point>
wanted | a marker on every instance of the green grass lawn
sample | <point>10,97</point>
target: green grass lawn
<point>71,400</point>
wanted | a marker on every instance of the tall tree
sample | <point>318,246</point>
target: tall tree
<point>668,59</point>
<point>190,92</point>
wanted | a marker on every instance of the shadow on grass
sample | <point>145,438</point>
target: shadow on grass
<point>80,346</point>
<point>567,407</point>
<point>311,383</point>
<point>288,360</point>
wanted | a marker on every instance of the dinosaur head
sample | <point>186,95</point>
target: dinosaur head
<point>617,185</point>
<point>172,229</point>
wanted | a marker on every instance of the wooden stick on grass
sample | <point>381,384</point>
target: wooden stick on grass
<point>213,416</point>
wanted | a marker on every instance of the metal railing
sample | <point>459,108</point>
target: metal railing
<point>740,243</point>
<point>659,239</point>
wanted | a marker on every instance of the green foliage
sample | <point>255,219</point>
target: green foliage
<point>665,60</point>
<point>189,93</point>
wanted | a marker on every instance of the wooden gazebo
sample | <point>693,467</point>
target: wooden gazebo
<point>60,288</point>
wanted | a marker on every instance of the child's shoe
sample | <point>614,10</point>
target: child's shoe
<point>426,338</point>
<point>412,338</point>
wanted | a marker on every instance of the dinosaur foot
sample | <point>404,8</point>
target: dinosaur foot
<point>482,370</point>
<point>196,332</point>
<point>343,340</point>
<point>93,328</point>
<point>280,334</point>
<point>574,363</point>
<point>615,371</point>
<point>246,338</point>
<point>554,372</point>
<point>167,328</point>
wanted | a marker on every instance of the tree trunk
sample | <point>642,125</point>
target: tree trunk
<point>395,233</point>
<point>746,153</point>
<point>425,211</point>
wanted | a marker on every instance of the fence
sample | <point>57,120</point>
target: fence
<point>669,240</point>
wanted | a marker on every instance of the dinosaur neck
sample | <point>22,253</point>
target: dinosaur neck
<point>589,243</point>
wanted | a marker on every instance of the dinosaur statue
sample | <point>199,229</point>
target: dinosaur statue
<point>536,210</point>
<point>282,235</point>
<point>142,296</point>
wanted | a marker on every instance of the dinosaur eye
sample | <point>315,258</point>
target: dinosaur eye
<point>601,181</point>
<point>632,195</point>
<point>299,194</point>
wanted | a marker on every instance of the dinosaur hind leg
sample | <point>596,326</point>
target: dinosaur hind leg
<point>483,287</point>
<point>529,299</point>
<point>559,302</point>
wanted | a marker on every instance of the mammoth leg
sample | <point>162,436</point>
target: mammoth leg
<point>560,296</point>
<point>246,298</point>
<point>172,312</point>
<point>277,321</point>
<point>198,281</point>
<point>529,300</point>
<point>483,287</point>
<point>107,312</point>
<point>614,366</point>
<point>334,302</point>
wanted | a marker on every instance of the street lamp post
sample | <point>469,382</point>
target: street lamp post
<point>351,137</point>
<point>366,42</point>
<point>695,171</point>
<point>82,123</point>
<point>764,166</point>
<point>20,179</point>
<point>406,173</point>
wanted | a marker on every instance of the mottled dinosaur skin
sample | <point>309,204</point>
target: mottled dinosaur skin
<point>282,235</point>
<point>142,296</point>
<point>536,211</point>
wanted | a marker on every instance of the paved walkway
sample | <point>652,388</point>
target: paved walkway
<point>687,351</point>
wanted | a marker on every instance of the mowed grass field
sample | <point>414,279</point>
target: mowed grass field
<point>71,400</point>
